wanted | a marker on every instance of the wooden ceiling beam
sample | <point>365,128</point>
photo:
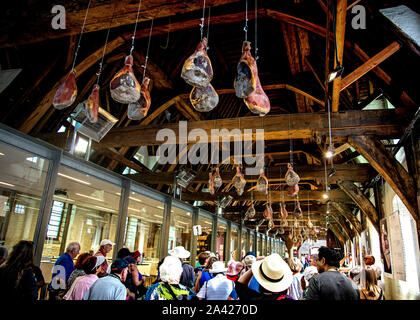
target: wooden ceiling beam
<point>339,34</point>
<point>275,196</point>
<point>390,169</point>
<point>101,16</point>
<point>303,126</point>
<point>362,201</point>
<point>348,215</point>
<point>369,65</point>
<point>359,172</point>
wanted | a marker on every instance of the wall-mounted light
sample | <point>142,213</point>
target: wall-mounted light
<point>336,73</point>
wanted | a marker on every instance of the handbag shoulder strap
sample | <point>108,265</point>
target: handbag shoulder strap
<point>171,292</point>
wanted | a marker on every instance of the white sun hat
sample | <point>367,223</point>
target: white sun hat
<point>218,267</point>
<point>179,252</point>
<point>272,273</point>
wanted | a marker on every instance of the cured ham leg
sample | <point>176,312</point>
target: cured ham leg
<point>262,183</point>
<point>197,70</point>
<point>138,110</point>
<point>258,101</point>
<point>245,81</point>
<point>124,86</point>
<point>66,93</point>
<point>217,179</point>
<point>204,99</point>
<point>92,105</point>
<point>239,181</point>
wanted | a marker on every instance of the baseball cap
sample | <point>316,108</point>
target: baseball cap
<point>119,265</point>
<point>105,242</point>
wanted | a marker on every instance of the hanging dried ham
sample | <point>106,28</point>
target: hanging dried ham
<point>309,224</point>
<point>124,86</point>
<point>66,93</point>
<point>281,230</point>
<point>197,70</point>
<point>204,99</point>
<point>251,211</point>
<point>291,177</point>
<point>298,210</point>
<point>270,224</point>
<point>268,212</point>
<point>283,223</point>
<point>239,181</point>
<point>138,110</point>
<point>258,101</point>
<point>217,179</point>
<point>211,185</point>
<point>245,81</point>
<point>262,182</point>
<point>92,105</point>
<point>283,211</point>
<point>293,190</point>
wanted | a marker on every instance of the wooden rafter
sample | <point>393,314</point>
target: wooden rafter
<point>304,126</point>
<point>339,34</point>
<point>362,201</point>
<point>348,215</point>
<point>373,150</point>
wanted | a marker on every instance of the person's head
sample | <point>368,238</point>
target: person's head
<point>202,258</point>
<point>3,255</point>
<point>210,262</point>
<point>170,270</point>
<point>136,256</point>
<point>179,252</point>
<point>106,245</point>
<point>313,259</point>
<point>249,260</point>
<point>21,257</point>
<point>327,257</point>
<point>234,268</point>
<point>354,274</point>
<point>309,273</point>
<point>218,267</point>
<point>73,249</point>
<point>369,260</point>
<point>273,274</point>
<point>123,252</point>
<point>295,265</point>
<point>92,265</point>
<point>120,268</point>
<point>370,280</point>
<point>81,259</point>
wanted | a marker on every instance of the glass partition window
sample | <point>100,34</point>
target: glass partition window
<point>221,241</point>
<point>85,209</point>
<point>251,242</point>
<point>180,230</point>
<point>204,240</point>
<point>22,181</point>
<point>243,243</point>
<point>143,230</point>
<point>234,250</point>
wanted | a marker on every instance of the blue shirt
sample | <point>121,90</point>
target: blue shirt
<point>254,285</point>
<point>218,288</point>
<point>107,288</point>
<point>67,262</point>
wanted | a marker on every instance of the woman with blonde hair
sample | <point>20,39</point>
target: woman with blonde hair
<point>369,289</point>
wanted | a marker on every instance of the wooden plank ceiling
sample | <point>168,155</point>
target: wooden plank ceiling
<point>291,38</point>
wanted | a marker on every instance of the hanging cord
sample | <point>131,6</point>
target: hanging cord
<point>328,196</point>
<point>80,37</point>
<point>135,29</point>
<point>167,39</point>
<point>256,43</point>
<point>246,20</point>
<point>202,20</point>
<point>147,51</point>
<point>208,30</point>
<point>106,42</point>
<point>335,35</point>
<point>329,130</point>
<point>291,145</point>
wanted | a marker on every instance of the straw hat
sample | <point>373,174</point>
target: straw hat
<point>272,273</point>
<point>179,252</point>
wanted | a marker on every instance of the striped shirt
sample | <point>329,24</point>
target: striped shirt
<point>218,288</point>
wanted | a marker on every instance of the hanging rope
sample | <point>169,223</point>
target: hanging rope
<point>106,42</point>
<point>291,145</point>
<point>208,30</point>
<point>135,29</point>
<point>202,20</point>
<point>147,51</point>
<point>80,37</point>
<point>256,42</point>
<point>246,20</point>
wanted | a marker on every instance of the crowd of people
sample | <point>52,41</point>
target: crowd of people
<point>315,277</point>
